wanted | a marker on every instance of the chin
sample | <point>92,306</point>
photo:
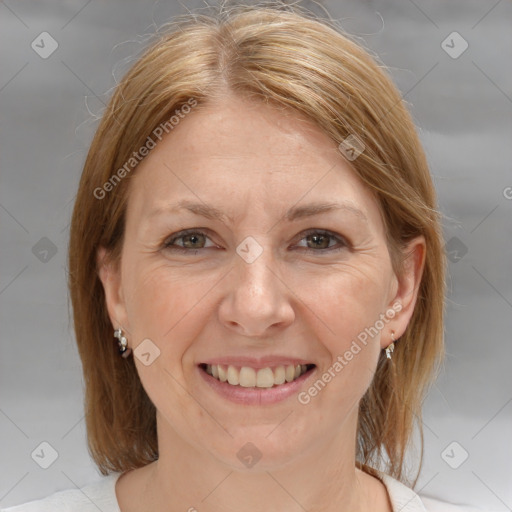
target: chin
<point>260,448</point>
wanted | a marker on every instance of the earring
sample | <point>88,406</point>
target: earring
<point>124,350</point>
<point>391,346</point>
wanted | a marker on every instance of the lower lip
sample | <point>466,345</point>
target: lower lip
<point>255,396</point>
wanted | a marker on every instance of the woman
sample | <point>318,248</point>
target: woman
<point>257,276</point>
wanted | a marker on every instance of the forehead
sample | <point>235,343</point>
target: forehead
<point>235,153</point>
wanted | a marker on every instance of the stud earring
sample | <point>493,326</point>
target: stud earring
<point>391,346</point>
<point>124,350</point>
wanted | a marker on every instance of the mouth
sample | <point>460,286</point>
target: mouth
<point>261,378</point>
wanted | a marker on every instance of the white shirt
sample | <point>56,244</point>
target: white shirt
<point>102,495</point>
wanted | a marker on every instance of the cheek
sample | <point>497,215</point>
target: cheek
<point>349,300</point>
<point>163,307</point>
<point>349,303</point>
<point>167,310</point>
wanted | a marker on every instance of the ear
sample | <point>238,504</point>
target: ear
<point>110,276</point>
<point>406,285</point>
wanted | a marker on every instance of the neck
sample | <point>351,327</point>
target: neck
<point>323,478</point>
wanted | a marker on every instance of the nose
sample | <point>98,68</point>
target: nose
<point>258,300</point>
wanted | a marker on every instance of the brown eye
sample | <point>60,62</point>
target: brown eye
<point>319,241</point>
<point>190,239</point>
<point>193,240</point>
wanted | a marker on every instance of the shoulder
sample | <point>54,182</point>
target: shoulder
<point>405,499</point>
<point>97,495</point>
<point>402,497</point>
<point>435,505</point>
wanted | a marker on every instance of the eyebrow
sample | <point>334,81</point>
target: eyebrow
<point>293,214</point>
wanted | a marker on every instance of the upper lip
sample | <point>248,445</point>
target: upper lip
<point>256,362</point>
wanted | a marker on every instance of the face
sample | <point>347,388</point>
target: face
<point>254,284</point>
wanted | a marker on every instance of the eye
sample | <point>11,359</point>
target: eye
<point>192,239</point>
<point>321,240</point>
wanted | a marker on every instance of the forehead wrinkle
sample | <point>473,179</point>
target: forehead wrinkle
<point>293,214</point>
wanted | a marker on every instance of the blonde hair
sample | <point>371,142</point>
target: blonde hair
<point>285,56</point>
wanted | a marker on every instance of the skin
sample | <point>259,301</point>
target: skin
<point>254,163</point>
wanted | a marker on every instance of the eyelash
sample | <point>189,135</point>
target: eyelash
<point>168,244</point>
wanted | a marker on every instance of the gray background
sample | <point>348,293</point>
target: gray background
<point>49,110</point>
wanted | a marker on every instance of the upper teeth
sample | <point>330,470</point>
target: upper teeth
<point>249,377</point>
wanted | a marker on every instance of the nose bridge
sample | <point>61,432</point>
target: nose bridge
<point>256,268</point>
<point>256,300</point>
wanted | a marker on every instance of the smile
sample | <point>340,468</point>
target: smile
<point>248,377</point>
